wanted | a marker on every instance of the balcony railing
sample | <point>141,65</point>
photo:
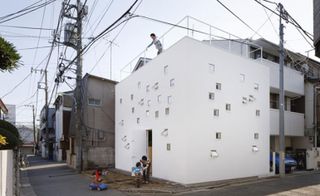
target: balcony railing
<point>293,123</point>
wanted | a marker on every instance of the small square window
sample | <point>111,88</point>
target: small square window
<point>166,69</point>
<point>256,136</point>
<point>169,99</point>
<point>168,147</point>
<point>147,112</point>
<point>218,86</point>
<point>172,83</point>
<point>156,114</point>
<point>139,84</point>
<point>211,95</point>
<point>159,98</point>
<point>149,102</point>
<point>218,135</point>
<point>132,110</point>
<point>156,86</point>
<point>257,112</point>
<point>141,102</point>
<point>138,120</point>
<point>228,107</point>
<point>256,86</point>
<point>120,100</point>
<point>167,111</point>
<point>216,112</point>
<point>212,67</point>
<point>242,77</point>
<point>131,96</point>
<point>147,88</point>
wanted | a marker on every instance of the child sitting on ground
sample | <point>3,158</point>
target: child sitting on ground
<point>137,172</point>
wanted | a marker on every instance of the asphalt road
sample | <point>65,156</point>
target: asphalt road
<point>53,179</point>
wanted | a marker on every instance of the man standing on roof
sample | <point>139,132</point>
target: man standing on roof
<point>156,42</point>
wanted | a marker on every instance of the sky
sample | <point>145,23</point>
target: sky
<point>131,38</point>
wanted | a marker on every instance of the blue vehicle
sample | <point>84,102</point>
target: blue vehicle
<point>290,163</point>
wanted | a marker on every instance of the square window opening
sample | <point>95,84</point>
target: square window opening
<point>211,96</point>
<point>218,135</point>
<point>256,136</point>
<point>228,107</point>
<point>218,86</point>
<point>167,111</point>
<point>215,112</point>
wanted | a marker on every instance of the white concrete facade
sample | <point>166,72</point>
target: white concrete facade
<point>6,173</point>
<point>170,96</point>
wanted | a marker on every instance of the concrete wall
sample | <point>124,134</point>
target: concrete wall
<point>99,121</point>
<point>6,173</point>
<point>190,125</point>
<point>293,123</point>
<point>293,80</point>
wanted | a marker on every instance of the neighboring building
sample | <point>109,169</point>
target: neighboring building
<point>63,107</point>
<point>301,77</point>
<point>11,115</point>
<point>27,137</point>
<point>316,26</point>
<point>3,110</point>
<point>198,112</point>
<point>97,124</point>
<point>47,134</point>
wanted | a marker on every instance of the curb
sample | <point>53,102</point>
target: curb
<point>24,184</point>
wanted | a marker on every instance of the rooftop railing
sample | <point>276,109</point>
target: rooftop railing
<point>191,27</point>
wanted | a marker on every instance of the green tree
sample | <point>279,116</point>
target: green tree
<point>11,133</point>
<point>9,57</point>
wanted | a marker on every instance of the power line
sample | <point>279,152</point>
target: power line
<point>27,12</point>
<point>294,23</point>
<point>25,27</point>
<point>33,48</point>
<point>238,18</point>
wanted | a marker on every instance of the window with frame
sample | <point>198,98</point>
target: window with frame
<point>218,135</point>
<point>131,96</point>
<point>172,83</point>
<point>256,136</point>
<point>216,112</point>
<point>211,95</point>
<point>147,112</point>
<point>148,88</point>
<point>156,114</point>
<point>94,102</point>
<point>257,112</point>
<point>156,86</point>
<point>167,111</point>
<point>138,120</point>
<point>132,110</point>
<point>149,103</point>
<point>228,107</point>
<point>159,98</point>
<point>218,86</point>
<point>120,100</point>
<point>256,86</point>
<point>212,67</point>
<point>166,69</point>
<point>242,77</point>
<point>169,99</point>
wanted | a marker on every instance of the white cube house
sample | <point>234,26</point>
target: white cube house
<point>198,112</point>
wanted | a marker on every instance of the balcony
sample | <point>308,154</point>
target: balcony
<point>293,123</point>
<point>293,80</point>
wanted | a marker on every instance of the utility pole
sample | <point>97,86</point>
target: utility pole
<point>281,97</point>
<point>45,88</point>
<point>79,164</point>
<point>34,126</point>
